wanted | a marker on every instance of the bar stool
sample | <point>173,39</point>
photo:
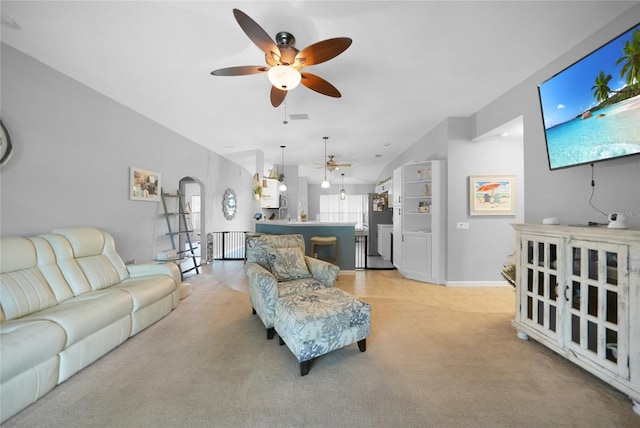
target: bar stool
<point>325,241</point>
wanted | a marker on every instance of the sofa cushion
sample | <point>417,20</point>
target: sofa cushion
<point>85,314</point>
<point>25,344</point>
<point>259,247</point>
<point>23,287</point>
<point>17,254</point>
<point>87,258</point>
<point>146,290</point>
<point>288,263</point>
<point>24,292</point>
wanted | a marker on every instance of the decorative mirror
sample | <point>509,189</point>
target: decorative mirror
<point>6,147</point>
<point>229,204</point>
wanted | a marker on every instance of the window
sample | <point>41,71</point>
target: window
<point>354,208</point>
<point>194,210</point>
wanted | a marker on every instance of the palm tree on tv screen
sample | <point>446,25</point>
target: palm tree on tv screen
<point>631,51</point>
<point>601,88</point>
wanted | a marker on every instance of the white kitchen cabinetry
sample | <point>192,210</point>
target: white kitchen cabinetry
<point>384,240</point>
<point>423,221</point>
<point>397,219</point>
<point>578,293</point>
<point>385,186</point>
<point>270,197</point>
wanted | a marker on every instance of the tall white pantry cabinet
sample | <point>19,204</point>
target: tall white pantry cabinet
<point>422,221</point>
<point>578,293</point>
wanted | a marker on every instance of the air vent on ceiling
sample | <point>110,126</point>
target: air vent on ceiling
<point>298,116</point>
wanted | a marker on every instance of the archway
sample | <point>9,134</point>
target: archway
<point>194,190</point>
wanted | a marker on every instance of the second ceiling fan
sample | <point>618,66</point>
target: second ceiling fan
<point>333,165</point>
<point>285,62</point>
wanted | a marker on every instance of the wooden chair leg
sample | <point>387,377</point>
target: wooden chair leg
<point>254,310</point>
<point>281,341</point>
<point>270,333</point>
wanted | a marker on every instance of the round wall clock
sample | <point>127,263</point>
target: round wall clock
<point>6,147</point>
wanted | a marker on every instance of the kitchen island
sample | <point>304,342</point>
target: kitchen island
<point>344,231</point>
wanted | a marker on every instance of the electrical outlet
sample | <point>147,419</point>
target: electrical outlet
<point>462,225</point>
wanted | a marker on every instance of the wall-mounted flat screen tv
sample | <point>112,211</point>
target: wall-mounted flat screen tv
<point>591,109</point>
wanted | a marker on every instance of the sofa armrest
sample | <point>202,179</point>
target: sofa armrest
<point>323,271</point>
<point>169,269</point>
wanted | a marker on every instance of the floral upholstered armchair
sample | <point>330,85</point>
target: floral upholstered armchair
<point>277,266</point>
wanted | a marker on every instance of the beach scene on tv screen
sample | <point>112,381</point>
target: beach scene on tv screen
<point>591,110</point>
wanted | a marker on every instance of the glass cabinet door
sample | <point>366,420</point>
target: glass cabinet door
<point>539,283</point>
<point>596,296</point>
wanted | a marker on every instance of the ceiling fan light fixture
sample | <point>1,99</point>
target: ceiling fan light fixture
<point>284,77</point>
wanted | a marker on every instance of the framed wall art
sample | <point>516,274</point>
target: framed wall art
<point>144,185</point>
<point>492,195</point>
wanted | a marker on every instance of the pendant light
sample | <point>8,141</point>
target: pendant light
<point>283,187</point>
<point>343,194</point>
<point>325,184</point>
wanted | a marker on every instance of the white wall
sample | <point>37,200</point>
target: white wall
<point>73,150</point>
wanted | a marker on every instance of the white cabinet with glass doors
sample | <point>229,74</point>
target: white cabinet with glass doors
<point>578,293</point>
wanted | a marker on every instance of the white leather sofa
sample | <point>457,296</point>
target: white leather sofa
<point>66,299</point>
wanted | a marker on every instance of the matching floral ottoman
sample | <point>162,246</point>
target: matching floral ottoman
<point>317,322</point>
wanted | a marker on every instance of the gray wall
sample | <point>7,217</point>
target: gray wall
<point>73,150</point>
<point>565,193</point>
<point>477,255</point>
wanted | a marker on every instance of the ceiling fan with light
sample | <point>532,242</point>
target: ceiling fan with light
<point>333,165</point>
<point>285,62</point>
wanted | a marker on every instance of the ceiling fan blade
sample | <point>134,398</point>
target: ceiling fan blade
<point>322,51</point>
<point>240,71</point>
<point>277,96</point>
<point>344,165</point>
<point>256,34</point>
<point>319,85</point>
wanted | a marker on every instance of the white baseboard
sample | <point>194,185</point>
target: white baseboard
<point>478,284</point>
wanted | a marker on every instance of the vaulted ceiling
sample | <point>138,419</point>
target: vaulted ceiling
<point>411,65</point>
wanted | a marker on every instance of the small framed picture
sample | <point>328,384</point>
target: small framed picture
<point>144,185</point>
<point>492,195</point>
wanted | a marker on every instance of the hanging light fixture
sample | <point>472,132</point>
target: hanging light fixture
<point>284,77</point>
<point>284,122</point>
<point>325,184</point>
<point>283,187</point>
<point>343,194</point>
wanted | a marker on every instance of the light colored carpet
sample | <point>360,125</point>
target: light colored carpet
<point>436,357</point>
